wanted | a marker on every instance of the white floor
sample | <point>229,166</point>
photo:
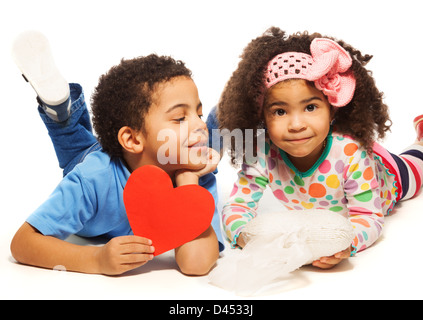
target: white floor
<point>209,38</point>
<point>391,269</point>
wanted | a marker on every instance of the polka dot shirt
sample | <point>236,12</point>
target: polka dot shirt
<point>345,179</point>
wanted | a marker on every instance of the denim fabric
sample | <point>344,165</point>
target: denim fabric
<point>73,139</point>
<point>214,133</point>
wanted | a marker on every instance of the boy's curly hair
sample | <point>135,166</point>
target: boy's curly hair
<point>124,96</point>
<point>365,118</point>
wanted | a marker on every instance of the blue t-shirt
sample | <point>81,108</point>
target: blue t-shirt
<point>88,201</point>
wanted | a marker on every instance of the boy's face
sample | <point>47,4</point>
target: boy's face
<point>175,137</point>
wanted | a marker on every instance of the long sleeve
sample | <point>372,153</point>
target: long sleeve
<point>243,201</point>
<point>365,198</point>
<point>346,180</point>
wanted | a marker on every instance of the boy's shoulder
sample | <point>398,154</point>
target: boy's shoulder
<point>90,197</point>
<point>99,167</point>
<point>97,160</point>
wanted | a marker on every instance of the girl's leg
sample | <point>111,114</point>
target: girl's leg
<point>408,166</point>
<point>412,158</point>
<point>418,125</point>
<point>412,164</point>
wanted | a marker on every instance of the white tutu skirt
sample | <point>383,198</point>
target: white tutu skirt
<point>277,244</point>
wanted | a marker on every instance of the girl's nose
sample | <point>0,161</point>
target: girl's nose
<point>296,123</point>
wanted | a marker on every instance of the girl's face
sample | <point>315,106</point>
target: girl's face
<point>298,117</point>
<point>176,137</point>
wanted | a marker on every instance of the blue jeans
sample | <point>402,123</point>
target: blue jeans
<point>73,139</point>
<point>212,126</point>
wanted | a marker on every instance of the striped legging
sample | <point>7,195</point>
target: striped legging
<point>407,167</point>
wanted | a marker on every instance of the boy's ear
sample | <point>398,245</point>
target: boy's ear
<point>131,140</point>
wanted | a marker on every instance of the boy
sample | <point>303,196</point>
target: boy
<point>132,103</point>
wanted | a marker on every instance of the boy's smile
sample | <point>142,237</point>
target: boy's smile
<point>298,117</point>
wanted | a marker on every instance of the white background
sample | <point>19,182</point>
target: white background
<point>90,36</point>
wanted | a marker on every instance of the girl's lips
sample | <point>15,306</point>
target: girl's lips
<point>298,141</point>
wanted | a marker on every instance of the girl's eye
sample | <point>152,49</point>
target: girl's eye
<point>280,112</point>
<point>180,119</point>
<point>311,108</point>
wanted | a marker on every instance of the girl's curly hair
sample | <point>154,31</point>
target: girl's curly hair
<point>365,118</point>
<point>124,96</point>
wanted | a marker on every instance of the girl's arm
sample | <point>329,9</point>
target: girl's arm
<point>243,202</point>
<point>368,228</point>
<point>119,255</point>
<point>363,190</point>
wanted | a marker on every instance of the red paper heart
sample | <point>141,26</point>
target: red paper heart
<point>168,216</point>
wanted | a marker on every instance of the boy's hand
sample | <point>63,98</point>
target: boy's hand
<point>330,262</point>
<point>211,165</point>
<point>122,254</point>
<point>186,176</point>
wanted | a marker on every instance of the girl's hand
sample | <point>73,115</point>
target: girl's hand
<point>122,254</point>
<point>330,262</point>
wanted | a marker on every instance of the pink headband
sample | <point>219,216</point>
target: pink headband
<point>328,66</point>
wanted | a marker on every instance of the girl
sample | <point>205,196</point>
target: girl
<point>322,114</point>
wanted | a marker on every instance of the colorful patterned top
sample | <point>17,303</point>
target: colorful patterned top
<point>345,179</point>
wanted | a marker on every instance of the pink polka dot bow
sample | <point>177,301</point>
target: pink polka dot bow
<point>328,66</point>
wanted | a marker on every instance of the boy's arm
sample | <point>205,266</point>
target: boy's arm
<point>119,255</point>
<point>198,256</point>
